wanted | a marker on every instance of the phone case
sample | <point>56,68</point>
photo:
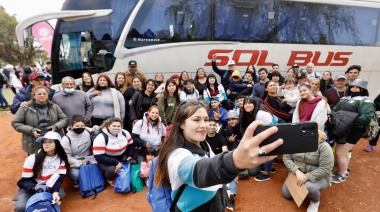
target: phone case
<point>298,137</point>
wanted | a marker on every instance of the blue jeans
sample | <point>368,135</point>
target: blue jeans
<point>74,175</point>
<point>3,101</point>
<point>268,166</point>
<point>233,187</point>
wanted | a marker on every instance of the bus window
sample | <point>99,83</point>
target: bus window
<point>326,24</point>
<point>244,21</point>
<point>70,57</point>
<point>165,21</point>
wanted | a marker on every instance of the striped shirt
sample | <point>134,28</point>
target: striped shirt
<point>50,166</point>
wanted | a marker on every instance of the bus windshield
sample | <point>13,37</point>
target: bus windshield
<point>89,44</point>
<point>264,21</point>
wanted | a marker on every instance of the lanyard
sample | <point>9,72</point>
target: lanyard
<point>344,93</point>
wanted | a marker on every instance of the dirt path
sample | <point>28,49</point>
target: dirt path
<point>360,192</point>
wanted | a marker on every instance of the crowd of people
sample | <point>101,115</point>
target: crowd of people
<point>128,118</point>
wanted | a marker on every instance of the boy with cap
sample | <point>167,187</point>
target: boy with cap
<point>217,112</point>
<point>338,91</point>
<point>24,95</point>
<point>301,78</point>
<point>236,86</point>
<point>131,72</point>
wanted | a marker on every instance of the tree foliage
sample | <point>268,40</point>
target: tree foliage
<point>10,52</point>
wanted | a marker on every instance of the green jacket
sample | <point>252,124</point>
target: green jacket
<point>167,113</point>
<point>26,122</point>
<point>315,165</point>
<point>365,108</point>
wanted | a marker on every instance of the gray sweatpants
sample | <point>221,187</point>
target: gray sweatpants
<point>23,195</point>
<point>313,189</point>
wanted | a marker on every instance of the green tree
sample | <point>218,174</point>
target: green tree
<point>10,52</point>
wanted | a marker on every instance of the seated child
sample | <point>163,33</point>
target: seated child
<point>236,86</point>
<point>150,153</point>
<point>290,93</point>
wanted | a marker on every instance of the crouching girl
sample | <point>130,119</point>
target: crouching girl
<point>312,169</point>
<point>38,168</point>
<point>112,147</point>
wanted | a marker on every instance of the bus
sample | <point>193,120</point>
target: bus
<point>170,36</point>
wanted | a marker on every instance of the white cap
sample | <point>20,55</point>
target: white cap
<point>9,66</point>
<point>49,135</point>
<point>231,62</point>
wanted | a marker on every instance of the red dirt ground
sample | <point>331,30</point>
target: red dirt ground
<point>360,192</point>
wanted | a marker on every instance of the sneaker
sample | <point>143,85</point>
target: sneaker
<point>231,203</point>
<point>275,161</point>
<point>345,174</point>
<point>313,207</point>
<point>272,170</point>
<point>337,178</point>
<point>111,182</point>
<point>262,177</point>
<point>369,148</point>
<point>76,185</point>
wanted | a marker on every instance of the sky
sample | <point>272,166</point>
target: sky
<point>23,9</point>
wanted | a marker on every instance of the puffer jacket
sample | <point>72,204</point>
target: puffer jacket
<point>26,122</point>
<point>315,165</point>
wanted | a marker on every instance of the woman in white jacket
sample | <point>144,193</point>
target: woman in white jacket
<point>310,107</point>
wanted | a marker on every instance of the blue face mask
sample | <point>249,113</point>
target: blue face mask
<point>69,90</point>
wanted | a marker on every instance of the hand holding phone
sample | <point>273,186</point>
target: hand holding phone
<point>298,137</point>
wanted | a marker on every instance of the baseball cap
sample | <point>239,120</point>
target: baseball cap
<point>214,98</point>
<point>231,62</point>
<point>132,63</point>
<point>341,76</point>
<point>301,75</point>
<point>34,76</point>
<point>235,74</point>
<point>360,83</point>
<point>295,65</point>
<point>49,135</point>
<point>231,114</point>
<point>9,66</point>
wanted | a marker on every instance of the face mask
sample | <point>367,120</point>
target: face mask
<point>115,132</point>
<point>69,90</point>
<point>102,87</point>
<point>78,130</point>
<point>353,94</point>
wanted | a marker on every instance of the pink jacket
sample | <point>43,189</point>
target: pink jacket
<point>144,170</point>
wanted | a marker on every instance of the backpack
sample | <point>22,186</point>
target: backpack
<point>160,197</point>
<point>123,179</point>
<point>41,201</point>
<point>372,129</point>
<point>91,180</point>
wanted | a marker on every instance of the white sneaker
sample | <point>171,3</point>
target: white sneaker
<point>313,207</point>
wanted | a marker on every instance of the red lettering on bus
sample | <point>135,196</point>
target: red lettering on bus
<point>255,55</point>
<point>338,57</point>
<point>223,59</point>
<point>302,58</point>
<point>263,57</point>
<point>317,55</point>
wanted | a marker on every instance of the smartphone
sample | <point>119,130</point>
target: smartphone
<point>298,137</point>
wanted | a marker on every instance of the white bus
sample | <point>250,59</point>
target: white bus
<point>170,36</point>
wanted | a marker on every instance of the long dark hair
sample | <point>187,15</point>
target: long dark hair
<point>149,151</point>
<point>215,84</point>
<point>176,139</point>
<point>166,92</point>
<point>265,93</point>
<point>40,157</point>
<point>247,118</point>
<point>254,76</point>
<point>92,80</point>
<point>146,84</point>
<point>196,75</point>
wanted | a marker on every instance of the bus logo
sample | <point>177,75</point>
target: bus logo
<point>259,58</point>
